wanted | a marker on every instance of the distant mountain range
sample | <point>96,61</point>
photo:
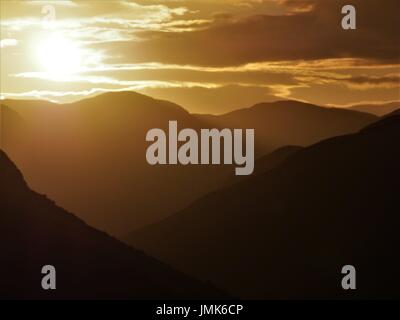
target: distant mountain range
<point>89,264</point>
<point>377,109</point>
<point>89,156</point>
<point>287,233</point>
<point>283,123</point>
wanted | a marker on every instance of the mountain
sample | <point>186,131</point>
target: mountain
<point>264,164</point>
<point>89,156</point>
<point>275,158</point>
<point>377,109</point>
<point>393,113</point>
<point>11,127</point>
<point>287,233</point>
<point>89,264</point>
<point>282,123</point>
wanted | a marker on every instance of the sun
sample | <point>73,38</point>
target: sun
<point>59,56</point>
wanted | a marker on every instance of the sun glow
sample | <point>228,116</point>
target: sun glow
<point>59,56</point>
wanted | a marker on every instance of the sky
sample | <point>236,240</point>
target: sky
<point>208,56</point>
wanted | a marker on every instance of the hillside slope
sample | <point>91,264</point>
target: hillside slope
<point>89,264</point>
<point>288,232</point>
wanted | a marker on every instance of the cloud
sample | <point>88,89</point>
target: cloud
<point>310,35</point>
<point>358,82</point>
<point>364,82</point>
<point>173,32</point>
<point>8,43</point>
<point>227,51</point>
<point>65,3</point>
<point>298,6</point>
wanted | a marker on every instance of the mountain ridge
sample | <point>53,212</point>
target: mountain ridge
<point>376,109</point>
<point>89,155</point>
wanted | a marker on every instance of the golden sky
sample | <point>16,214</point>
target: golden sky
<point>208,56</point>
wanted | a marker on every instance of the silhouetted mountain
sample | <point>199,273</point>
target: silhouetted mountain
<point>377,109</point>
<point>288,233</point>
<point>89,156</point>
<point>263,164</point>
<point>11,128</point>
<point>393,113</point>
<point>89,264</point>
<point>284,123</point>
<point>275,158</point>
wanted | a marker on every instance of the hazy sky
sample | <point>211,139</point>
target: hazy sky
<point>208,56</point>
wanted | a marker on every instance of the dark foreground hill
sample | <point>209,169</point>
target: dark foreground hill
<point>393,113</point>
<point>89,264</point>
<point>288,233</point>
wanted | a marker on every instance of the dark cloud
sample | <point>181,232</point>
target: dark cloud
<point>389,79</point>
<point>302,34</point>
